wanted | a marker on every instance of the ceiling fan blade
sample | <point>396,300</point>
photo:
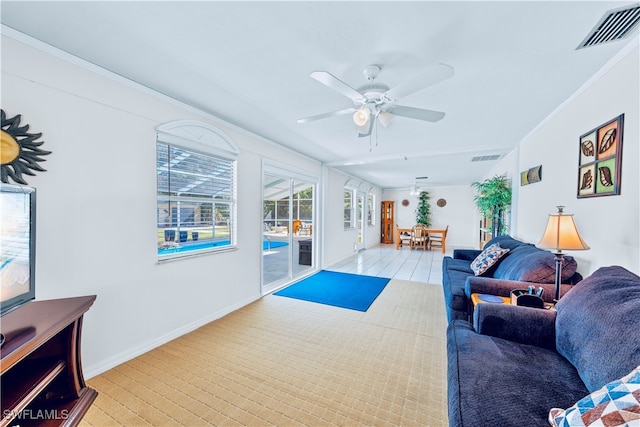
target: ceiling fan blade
<point>325,115</point>
<point>366,129</point>
<point>416,113</point>
<point>430,76</point>
<point>338,85</point>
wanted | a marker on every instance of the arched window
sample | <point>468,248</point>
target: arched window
<point>196,189</point>
<point>350,204</point>
<point>371,208</point>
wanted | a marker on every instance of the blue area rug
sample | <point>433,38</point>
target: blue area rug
<point>344,290</point>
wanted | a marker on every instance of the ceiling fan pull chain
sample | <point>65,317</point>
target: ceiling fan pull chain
<point>376,132</point>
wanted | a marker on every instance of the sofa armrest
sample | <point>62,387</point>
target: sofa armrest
<point>466,254</point>
<point>533,326</point>
<point>501,287</point>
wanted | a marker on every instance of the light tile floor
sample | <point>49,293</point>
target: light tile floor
<point>404,263</point>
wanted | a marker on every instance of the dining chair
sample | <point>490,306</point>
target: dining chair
<point>436,239</point>
<point>419,237</point>
<point>297,224</point>
<point>405,238</point>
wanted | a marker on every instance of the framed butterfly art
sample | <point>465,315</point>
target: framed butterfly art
<point>600,160</point>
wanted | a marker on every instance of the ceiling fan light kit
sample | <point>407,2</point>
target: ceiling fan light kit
<point>385,117</point>
<point>361,116</point>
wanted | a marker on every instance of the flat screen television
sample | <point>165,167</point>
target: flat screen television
<point>17,246</point>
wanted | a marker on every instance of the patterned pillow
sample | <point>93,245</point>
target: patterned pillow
<point>615,404</point>
<point>487,258</point>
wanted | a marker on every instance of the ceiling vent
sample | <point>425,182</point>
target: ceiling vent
<point>485,158</point>
<point>614,25</point>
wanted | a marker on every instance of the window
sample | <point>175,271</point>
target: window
<point>349,214</point>
<point>195,199</point>
<point>303,204</point>
<point>371,210</point>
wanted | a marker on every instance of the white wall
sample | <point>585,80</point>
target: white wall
<point>610,225</point>
<point>373,232</point>
<point>339,242</point>
<point>96,222</point>
<point>459,213</point>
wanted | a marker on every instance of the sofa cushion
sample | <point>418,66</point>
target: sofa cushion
<point>615,404</point>
<point>608,324</point>
<point>495,382</point>
<point>453,283</point>
<point>457,264</point>
<point>487,259</point>
<point>505,241</point>
<point>527,263</point>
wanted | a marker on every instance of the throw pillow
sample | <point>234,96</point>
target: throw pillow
<point>487,258</point>
<point>615,404</point>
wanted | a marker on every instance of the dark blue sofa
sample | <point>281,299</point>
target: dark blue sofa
<point>524,262</point>
<point>516,363</point>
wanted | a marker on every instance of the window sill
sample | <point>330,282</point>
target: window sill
<point>194,254</point>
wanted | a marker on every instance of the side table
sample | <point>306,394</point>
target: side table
<point>477,298</point>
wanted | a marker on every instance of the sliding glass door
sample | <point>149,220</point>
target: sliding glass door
<point>276,253</point>
<point>288,229</point>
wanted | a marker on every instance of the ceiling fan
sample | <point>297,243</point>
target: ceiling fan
<point>377,102</point>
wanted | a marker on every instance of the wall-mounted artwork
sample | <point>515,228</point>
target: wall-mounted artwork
<point>531,175</point>
<point>600,160</point>
<point>20,153</point>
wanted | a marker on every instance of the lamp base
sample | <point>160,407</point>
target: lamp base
<point>559,256</point>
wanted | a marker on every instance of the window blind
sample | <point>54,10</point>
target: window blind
<point>195,197</point>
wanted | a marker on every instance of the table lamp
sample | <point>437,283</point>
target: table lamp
<point>561,234</point>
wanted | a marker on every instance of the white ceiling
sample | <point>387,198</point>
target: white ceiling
<point>249,63</point>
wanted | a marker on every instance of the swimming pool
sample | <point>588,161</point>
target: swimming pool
<point>207,245</point>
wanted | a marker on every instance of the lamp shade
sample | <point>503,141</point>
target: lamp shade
<point>361,116</point>
<point>562,233</point>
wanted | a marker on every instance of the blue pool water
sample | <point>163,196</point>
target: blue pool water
<point>265,245</point>
<point>207,245</point>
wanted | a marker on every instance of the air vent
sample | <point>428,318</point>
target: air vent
<point>614,25</point>
<point>485,158</point>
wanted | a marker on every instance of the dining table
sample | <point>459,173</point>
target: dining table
<point>442,232</point>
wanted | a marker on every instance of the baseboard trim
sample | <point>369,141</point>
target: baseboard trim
<point>112,362</point>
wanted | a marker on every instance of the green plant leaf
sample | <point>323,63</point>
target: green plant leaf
<point>494,198</point>
<point>423,211</point>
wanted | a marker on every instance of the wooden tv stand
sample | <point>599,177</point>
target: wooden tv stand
<point>41,375</point>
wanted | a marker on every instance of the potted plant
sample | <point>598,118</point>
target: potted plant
<point>423,211</point>
<point>493,201</point>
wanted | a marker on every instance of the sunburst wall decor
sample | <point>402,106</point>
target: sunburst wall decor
<point>19,151</point>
